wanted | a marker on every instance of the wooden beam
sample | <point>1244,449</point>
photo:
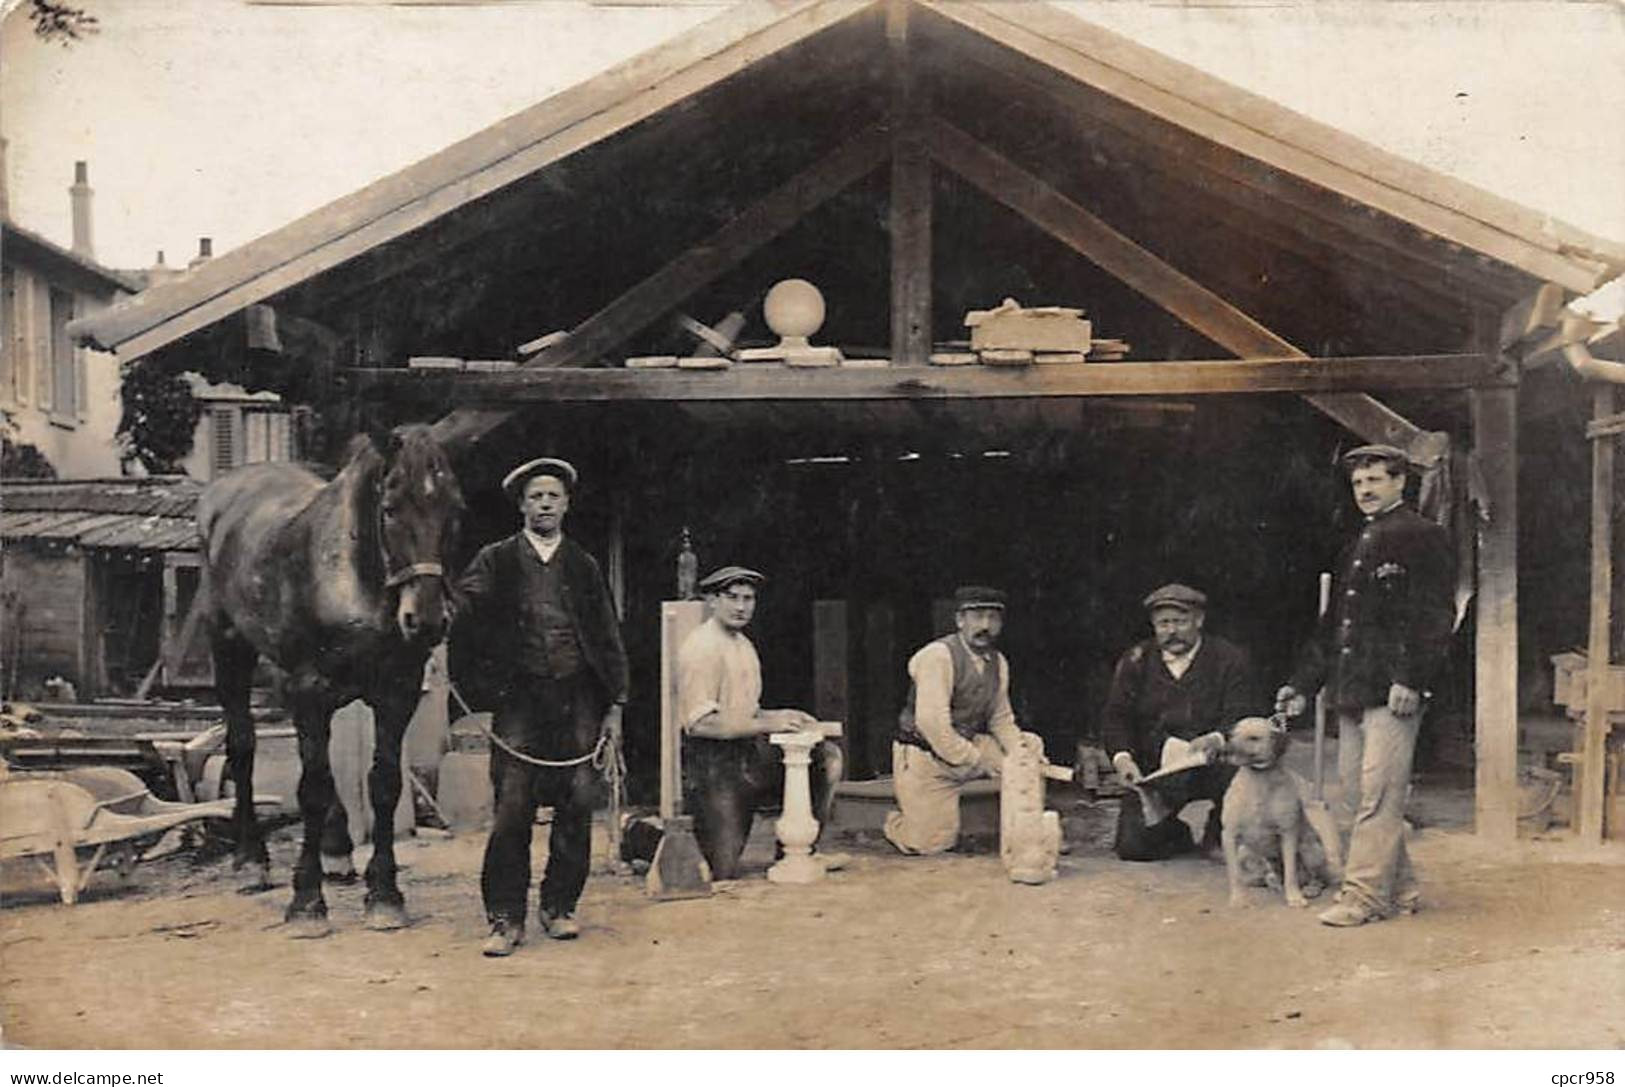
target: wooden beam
<point>1495,440</point>
<point>483,163</point>
<point>1180,295</point>
<point>1242,192</point>
<point>624,317</point>
<point>1594,744</point>
<point>769,383</point>
<point>910,212</point>
<point>1536,313</point>
<point>548,200</point>
<point>1606,426</point>
<point>1268,133</point>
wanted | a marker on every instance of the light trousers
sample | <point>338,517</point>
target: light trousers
<point>927,819</point>
<point>1374,754</point>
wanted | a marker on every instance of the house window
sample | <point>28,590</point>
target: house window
<point>15,357</point>
<point>8,335</point>
<point>65,391</point>
<point>242,434</point>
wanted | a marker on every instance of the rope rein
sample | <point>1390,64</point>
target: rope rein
<point>612,767</point>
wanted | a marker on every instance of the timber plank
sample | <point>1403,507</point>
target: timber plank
<point>1184,378</point>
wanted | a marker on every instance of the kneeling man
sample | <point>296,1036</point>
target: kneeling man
<point>956,727</point>
<point>729,766</point>
<point>1182,686</point>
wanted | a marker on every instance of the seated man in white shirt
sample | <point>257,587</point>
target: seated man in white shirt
<point>729,767</point>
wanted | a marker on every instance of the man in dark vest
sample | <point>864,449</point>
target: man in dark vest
<point>1177,688</point>
<point>537,641</point>
<point>956,727</point>
<point>1379,650</point>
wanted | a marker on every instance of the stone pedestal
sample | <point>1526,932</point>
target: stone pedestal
<point>797,829</point>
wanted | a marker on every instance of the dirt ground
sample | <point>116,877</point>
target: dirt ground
<point>1520,948</point>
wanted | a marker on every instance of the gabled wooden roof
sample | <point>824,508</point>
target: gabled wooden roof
<point>1054,49</point>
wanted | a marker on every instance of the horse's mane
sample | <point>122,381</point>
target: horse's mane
<point>410,447</point>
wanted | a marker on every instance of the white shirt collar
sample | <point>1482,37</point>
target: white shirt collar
<point>544,548</point>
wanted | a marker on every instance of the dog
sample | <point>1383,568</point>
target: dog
<point>1267,838</point>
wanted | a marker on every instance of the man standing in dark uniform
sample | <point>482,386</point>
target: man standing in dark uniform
<point>536,639</point>
<point>1178,685</point>
<point>1379,649</point>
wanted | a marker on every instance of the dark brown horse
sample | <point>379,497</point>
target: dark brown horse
<point>342,585</point>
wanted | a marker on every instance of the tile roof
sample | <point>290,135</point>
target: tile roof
<point>124,514</point>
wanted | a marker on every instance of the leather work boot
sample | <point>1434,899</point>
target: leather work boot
<point>1347,913</point>
<point>505,936</point>
<point>563,926</point>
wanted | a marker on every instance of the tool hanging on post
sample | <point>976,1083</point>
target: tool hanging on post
<point>1315,810</point>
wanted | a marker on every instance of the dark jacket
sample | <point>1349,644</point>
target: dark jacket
<point>484,644</point>
<point>1391,615</point>
<point>1146,704</point>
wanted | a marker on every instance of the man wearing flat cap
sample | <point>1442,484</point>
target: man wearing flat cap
<point>957,725</point>
<point>730,768</point>
<point>1177,689</point>
<point>536,640</point>
<point>1379,649</point>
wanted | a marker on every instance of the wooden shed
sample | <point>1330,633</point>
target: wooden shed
<point>94,578</point>
<point>1285,290</point>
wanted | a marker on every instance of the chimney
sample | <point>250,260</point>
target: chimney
<point>80,192</point>
<point>160,272</point>
<point>205,250</point>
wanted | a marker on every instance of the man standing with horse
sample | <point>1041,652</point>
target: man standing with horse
<point>536,640</point>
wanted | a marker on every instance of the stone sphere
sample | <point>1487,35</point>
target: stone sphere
<point>794,308</point>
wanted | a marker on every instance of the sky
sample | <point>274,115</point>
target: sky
<point>228,118</point>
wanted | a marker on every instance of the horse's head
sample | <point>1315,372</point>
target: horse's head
<point>420,510</point>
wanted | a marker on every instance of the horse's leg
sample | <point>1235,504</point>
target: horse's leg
<point>307,913</point>
<point>234,661</point>
<point>337,865</point>
<point>385,907</point>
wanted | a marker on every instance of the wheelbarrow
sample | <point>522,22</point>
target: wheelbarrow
<point>79,818</point>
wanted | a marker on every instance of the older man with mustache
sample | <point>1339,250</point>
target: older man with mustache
<point>1180,685</point>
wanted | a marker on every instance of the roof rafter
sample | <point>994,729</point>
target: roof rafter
<point>632,311</point>
<point>465,171</point>
<point>1277,137</point>
<point>1164,284</point>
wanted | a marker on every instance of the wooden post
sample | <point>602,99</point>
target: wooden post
<point>677,618</point>
<point>880,683</point>
<point>617,553</point>
<point>910,198</point>
<point>1495,438</point>
<point>1589,790</point>
<point>831,678</point>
